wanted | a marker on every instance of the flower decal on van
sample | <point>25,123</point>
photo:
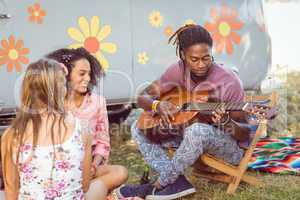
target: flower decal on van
<point>13,54</point>
<point>189,22</point>
<point>36,13</point>
<point>156,19</point>
<point>168,31</point>
<point>91,36</point>
<point>223,28</point>
<point>143,58</point>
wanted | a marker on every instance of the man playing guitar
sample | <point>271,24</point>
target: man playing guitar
<point>195,71</point>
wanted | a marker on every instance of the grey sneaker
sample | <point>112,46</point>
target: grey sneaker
<point>181,187</point>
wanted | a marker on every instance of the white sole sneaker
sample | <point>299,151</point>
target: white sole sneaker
<point>118,193</point>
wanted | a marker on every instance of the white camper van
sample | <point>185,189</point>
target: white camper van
<point>129,38</point>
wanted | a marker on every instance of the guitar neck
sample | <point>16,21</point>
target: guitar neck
<point>209,107</point>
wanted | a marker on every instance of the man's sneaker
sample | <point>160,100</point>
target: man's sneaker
<point>134,190</point>
<point>181,187</point>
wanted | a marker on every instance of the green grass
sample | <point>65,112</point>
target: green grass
<point>277,187</point>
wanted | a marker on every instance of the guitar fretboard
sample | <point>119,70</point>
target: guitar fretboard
<point>228,106</point>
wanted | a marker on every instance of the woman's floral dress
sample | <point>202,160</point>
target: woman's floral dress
<point>41,177</point>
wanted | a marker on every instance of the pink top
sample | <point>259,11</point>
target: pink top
<point>93,117</point>
<point>221,83</point>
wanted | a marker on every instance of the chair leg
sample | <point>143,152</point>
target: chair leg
<point>233,185</point>
<point>246,178</point>
<point>213,176</point>
<point>252,180</point>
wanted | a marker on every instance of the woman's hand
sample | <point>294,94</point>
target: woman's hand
<point>98,160</point>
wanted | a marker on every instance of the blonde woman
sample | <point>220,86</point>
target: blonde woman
<point>45,154</point>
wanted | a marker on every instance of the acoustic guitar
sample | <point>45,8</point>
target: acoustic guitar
<point>193,107</point>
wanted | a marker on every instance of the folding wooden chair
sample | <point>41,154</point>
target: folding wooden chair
<point>231,174</point>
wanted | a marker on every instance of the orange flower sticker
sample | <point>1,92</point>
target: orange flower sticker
<point>12,53</point>
<point>36,13</point>
<point>223,28</point>
<point>168,31</point>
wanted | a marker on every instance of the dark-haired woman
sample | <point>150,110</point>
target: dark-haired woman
<point>84,71</point>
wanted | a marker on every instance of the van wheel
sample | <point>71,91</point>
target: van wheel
<point>118,113</point>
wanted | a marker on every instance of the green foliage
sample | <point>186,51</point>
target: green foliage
<point>293,102</point>
<point>287,121</point>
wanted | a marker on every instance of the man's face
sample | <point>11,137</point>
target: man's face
<point>198,59</point>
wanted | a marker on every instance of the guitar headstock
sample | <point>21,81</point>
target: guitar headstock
<point>261,112</point>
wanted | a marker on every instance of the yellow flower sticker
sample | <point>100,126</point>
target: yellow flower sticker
<point>91,36</point>
<point>143,58</point>
<point>155,19</point>
<point>189,22</point>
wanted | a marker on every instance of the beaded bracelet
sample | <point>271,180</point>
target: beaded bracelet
<point>154,105</point>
